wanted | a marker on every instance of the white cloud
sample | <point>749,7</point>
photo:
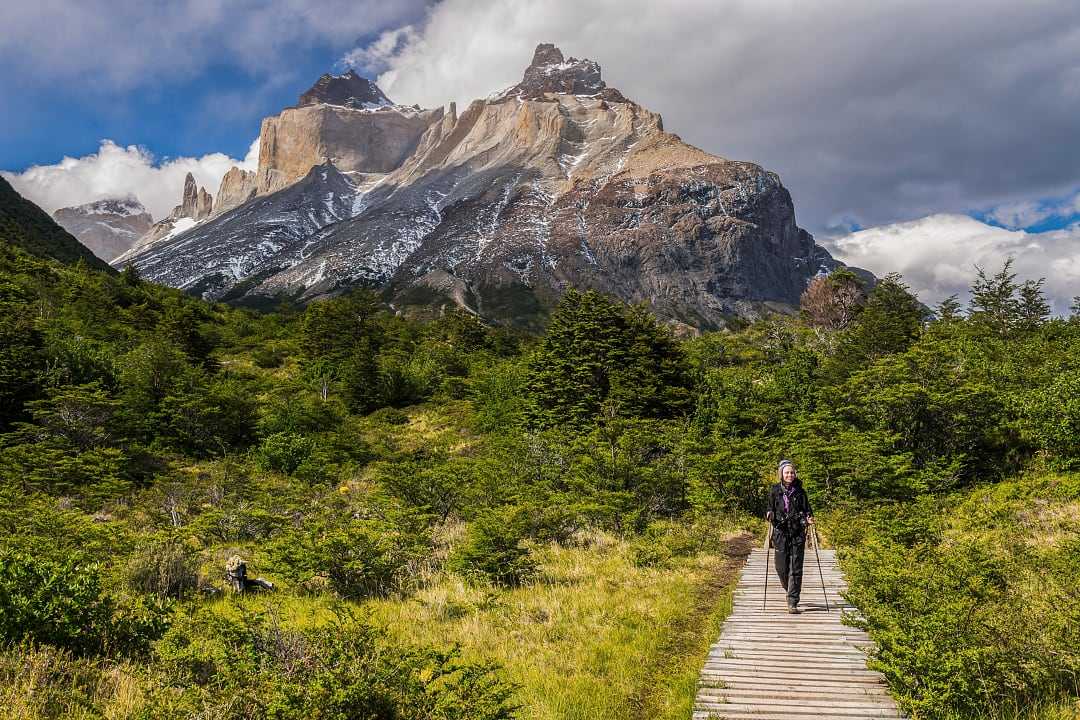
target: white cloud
<point>872,111</point>
<point>377,56</point>
<point>1026,213</point>
<point>115,171</point>
<point>937,255</point>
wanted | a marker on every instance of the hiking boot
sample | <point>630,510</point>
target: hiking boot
<point>793,609</point>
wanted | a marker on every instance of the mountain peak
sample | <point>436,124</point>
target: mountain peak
<point>546,54</point>
<point>552,72</point>
<point>350,90</point>
<point>118,206</point>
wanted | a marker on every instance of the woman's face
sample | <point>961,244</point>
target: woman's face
<point>788,474</point>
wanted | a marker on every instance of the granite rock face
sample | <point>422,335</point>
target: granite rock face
<point>342,119</point>
<point>556,182</point>
<point>237,187</point>
<point>196,204</point>
<point>551,73</point>
<point>107,227</point>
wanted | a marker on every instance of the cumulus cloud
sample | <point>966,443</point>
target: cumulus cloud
<point>384,51</point>
<point>77,40</point>
<point>873,112</point>
<point>1026,213</point>
<point>937,255</point>
<point>115,171</point>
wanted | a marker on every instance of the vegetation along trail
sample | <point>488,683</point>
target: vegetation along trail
<point>467,520</point>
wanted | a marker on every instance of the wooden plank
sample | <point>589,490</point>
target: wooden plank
<point>768,664</point>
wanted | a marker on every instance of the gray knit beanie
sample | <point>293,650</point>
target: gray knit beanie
<point>780,470</point>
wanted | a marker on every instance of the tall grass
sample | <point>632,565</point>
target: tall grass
<point>591,639</point>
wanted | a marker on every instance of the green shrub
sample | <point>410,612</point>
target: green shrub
<point>1054,417</point>
<point>968,614</point>
<point>267,357</point>
<point>256,668</point>
<point>283,452</point>
<point>496,548</point>
<point>167,569</point>
<point>359,558</point>
<point>63,603</point>
<point>389,416</point>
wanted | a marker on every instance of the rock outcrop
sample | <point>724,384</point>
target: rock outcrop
<point>345,120</point>
<point>204,204</point>
<point>237,187</point>
<point>551,73</point>
<point>196,204</point>
<point>108,227</point>
<point>190,200</point>
<point>556,182</point>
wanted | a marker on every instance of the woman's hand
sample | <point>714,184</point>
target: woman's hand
<point>810,519</point>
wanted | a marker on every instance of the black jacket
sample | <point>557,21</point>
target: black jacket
<point>793,521</point>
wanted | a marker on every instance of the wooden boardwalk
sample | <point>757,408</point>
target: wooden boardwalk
<point>773,665</point>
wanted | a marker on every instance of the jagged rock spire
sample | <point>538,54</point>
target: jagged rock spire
<point>551,72</point>
<point>349,90</point>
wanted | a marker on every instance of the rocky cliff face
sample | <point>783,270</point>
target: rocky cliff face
<point>237,187</point>
<point>556,182</point>
<point>107,227</point>
<point>342,119</point>
<point>196,204</point>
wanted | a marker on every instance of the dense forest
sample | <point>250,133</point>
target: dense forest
<point>463,521</point>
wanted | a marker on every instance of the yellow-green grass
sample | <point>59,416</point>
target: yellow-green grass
<point>595,637</point>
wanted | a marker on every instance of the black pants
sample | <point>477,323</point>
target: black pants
<point>789,561</point>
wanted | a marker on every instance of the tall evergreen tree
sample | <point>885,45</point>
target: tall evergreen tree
<point>889,322</point>
<point>596,350</point>
<point>1032,308</point>
<point>948,309</point>
<point>993,299</point>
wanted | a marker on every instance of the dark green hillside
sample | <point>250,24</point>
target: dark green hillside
<point>25,225</point>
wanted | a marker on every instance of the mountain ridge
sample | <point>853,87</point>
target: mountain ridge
<point>558,181</point>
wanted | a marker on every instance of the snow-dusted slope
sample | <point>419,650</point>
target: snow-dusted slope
<point>108,227</point>
<point>264,236</point>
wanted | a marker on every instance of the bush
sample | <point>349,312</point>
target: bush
<point>989,618</point>
<point>345,670</point>
<point>357,559</point>
<point>1055,419</point>
<point>62,603</point>
<point>166,569</point>
<point>268,358</point>
<point>495,548</point>
<point>283,452</point>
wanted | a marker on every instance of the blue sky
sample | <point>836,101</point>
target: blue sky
<point>878,117</point>
<point>216,110</point>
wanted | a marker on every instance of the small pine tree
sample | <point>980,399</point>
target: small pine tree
<point>1032,308</point>
<point>948,310</point>
<point>890,321</point>
<point>597,349</point>
<point>993,299</point>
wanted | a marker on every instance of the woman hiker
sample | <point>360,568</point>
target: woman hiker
<point>789,512</point>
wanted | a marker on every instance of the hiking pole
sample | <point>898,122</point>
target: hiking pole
<point>817,543</point>
<point>768,547</point>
